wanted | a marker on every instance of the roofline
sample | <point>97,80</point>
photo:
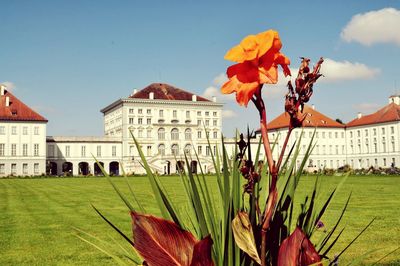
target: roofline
<point>367,124</point>
<point>22,120</point>
<point>158,101</point>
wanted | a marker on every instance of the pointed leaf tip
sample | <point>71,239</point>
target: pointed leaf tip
<point>297,250</point>
<point>244,237</point>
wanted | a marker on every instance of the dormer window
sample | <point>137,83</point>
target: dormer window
<point>14,112</point>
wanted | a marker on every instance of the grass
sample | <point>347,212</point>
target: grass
<point>38,216</point>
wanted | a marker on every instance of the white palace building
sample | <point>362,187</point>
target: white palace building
<point>169,122</point>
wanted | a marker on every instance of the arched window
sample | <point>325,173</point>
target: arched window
<point>188,134</point>
<point>174,134</point>
<point>161,149</point>
<point>175,149</point>
<point>188,149</point>
<point>161,134</point>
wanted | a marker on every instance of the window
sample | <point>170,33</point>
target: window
<point>114,151</point>
<point>174,134</point>
<point>187,114</point>
<point>323,149</point>
<point>149,121</point>
<point>207,123</point>
<point>140,121</point>
<point>383,131</point>
<point>214,113</point>
<point>25,131</point>
<point>2,131</point>
<point>149,150</point>
<point>140,111</point>
<point>199,134</point>
<point>98,151</point>
<point>14,130</point>
<point>214,122</point>
<point>161,149</point>
<point>342,135</point>
<point>366,132</point>
<point>393,144</point>
<point>199,150</point>
<point>343,149</point>
<point>358,133</point>
<point>131,110</point>
<point>188,149</point>
<point>207,113</point>
<point>337,149</point>
<point>384,161</point>
<point>316,134</point>
<point>188,134</point>
<point>376,162</point>
<point>199,113</point>
<point>161,113</point>
<point>323,135</point>
<point>336,135</point>
<point>374,131</point>
<point>50,150</point>
<point>148,111</point>
<point>330,149</point>
<point>391,130</point>
<point>174,114</point>
<point>148,133</point>
<point>351,134</point>
<point>131,121</point>
<point>83,151</point>
<point>36,130</point>
<point>207,151</point>
<point>36,168</point>
<point>13,149</point>
<point>2,168</point>
<point>215,134</point>
<point>175,149</point>
<point>25,149</point>
<point>310,134</point>
<point>330,135</point>
<point>25,168</point>
<point>384,144</point>
<point>140,133</point>
<point>67,151</point>
<point>161,134</point>
<point>199,122</point>
<point>13,168</point>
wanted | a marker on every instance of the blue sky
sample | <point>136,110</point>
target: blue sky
<point>69,59</point>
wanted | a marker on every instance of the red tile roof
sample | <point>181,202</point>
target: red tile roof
<point>389,113</point>
<point>166,92</point>
<point>313,119</point>
<point>17,110</point>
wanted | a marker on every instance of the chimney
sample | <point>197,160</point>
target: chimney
<point>2,89</point>
<point>194,98</point>
<point>134,91</point>
<point>313,107</point>
<point>359,115</point>
<point>394,99</point>
<point>214,99</point>
<point>151,95</point>
<point>7,101</point>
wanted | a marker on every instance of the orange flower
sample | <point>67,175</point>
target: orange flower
<point>258,58</point>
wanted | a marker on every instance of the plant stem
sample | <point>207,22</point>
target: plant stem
<point>273,194</point>
<point>284,148</point>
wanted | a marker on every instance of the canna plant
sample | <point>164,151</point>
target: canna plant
<point>248,219</point>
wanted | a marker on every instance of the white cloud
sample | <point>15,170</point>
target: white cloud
<point>10,85</point>
<point>220,79</point>
<point>345,70</point>
<point>228,113</point>
<point>366,108</point>
<point>213,91</point>
<point>380,26</point>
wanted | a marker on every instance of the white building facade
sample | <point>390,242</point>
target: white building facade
<point>168,123</point>
<point>22,138</point>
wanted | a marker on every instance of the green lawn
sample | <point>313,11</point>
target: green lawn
<point>37,216</point>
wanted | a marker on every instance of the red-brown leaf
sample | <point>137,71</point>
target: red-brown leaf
<point>161,242</point>
<point>202,253</point>
<point>297,250</point>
